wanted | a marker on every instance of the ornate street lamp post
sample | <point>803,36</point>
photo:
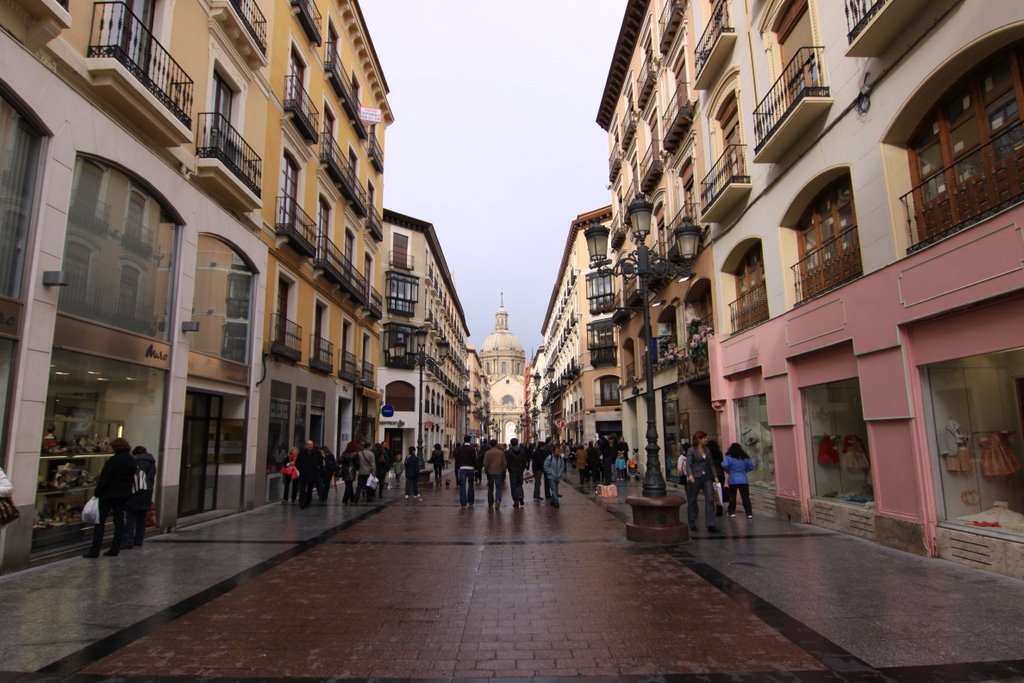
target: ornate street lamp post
<point>399,349</point>
<point>639,264</point>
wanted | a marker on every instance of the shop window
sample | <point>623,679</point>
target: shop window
<point>221,301</point>
<point>670,428</point>
<point>977,407</point>
<point>19,153</point>
<point>837,442</point>
<point>755,436</point>
<point>829,245</point>
<point>90,401</point>
<point>123,281</point>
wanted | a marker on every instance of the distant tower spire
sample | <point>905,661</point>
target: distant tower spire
<point>501,301</point>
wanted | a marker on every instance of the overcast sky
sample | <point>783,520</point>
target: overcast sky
<point>495,140</point>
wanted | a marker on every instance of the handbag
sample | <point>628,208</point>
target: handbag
<point>91,511</point>
<point>717,486</point>
<point>372,481</point>
<point>8,511</point>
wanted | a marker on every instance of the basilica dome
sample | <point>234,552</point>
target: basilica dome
<point>501,340</point>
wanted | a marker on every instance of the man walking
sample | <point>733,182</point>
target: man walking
<point>554,468</point>
<point>515,458</point>
<point>540,453</point>
<point>308,462</point>
<point>495,467</point>
<point>367,466</point>
<point>465,468</point>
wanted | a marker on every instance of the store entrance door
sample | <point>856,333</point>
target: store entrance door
<point>199,446</point>
<point>395,443</point>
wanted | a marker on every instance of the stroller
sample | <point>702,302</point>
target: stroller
<point>633,467</point>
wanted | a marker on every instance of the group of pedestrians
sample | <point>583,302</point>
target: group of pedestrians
<point>124,492</point>
<point>702,467</point>
<point>542,462</point>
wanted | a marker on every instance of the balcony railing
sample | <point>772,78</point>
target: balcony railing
<point>120,35</point>
<point>348,367</point>
<point>602,355</point>
<point>304,112</point>
<point>859,14</point>
<point>368,376</point>
<point>802,78</point>
<point>980,184</point>
<point>375,303</point>
<point>671,20</point>
<point>401,259</point>
<point>719,26</point>
<point>109,307</point>
<point>614,164</point>
<point>376,154</point>
<point>329,259</point>
<point>652,167</point>
<point>750,309</point>
<point>219,140</point>
<point>138,238</point>
<point>352,190</point>
<point>286,339</point>
<point>330,157</point>
<point>321,355</point>
<point>353,282</point>
<point>605,303</point>
<point>310,19</point>
<point>678,117</point>
<point>630,121</point>
<point>646,80</point>
<point>731,168</point>
<point>253,20</point>
<point>296,225</point>
<point>374,223</point>
<point>834,263</point>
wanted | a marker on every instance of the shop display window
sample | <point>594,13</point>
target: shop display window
<point>670,432</point>
<point>19,158</point>
<point>90,402</point>
<point>837,442</point>
<point>976,406</point>
<point>221,302</point>
<point>756,438</point>
<point>118,253</point>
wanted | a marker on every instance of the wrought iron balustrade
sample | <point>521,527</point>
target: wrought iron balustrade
<point>749,309</point>
<point>835,262</point>
<point>218,139</point>
<point>803,77</point>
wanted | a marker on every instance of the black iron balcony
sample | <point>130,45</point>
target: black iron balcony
<point>831,265</point>
<point>91,216</point>
<point>118,34</point>
<point>352,190</point>
<point>979,185</point>
<point>714,45</point>
<point>138,238</point>
<point>678,117</point>
<point>726,184</point>
<point>374,303</point>
<point>603,355</point>
<point>321,355</point>
<point>348,367</point>
<point>304,112</point>
<point>750,309</point>
<point>800,95</point>
<point>645,81</point>
<point>286,338</point>
<point>353,283</point>
<point>376,154</point>
<point>309,17</point>
<point>368,376</point>
<point>253,21</point>
<point>296,226</point>
<point>652,167</point>
<point>631,294</point>
<point>630,121</point>
<point>670,22</point>
<point>331,159</point>
<point>219,140</point>
<point>329,260</point>
<point>614,164</point>
<point>401,259</point>
<point>374,224</point>
<point>874,26</point>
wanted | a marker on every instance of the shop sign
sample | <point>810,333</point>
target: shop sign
<point>345,390</point>
<point>428,425</point>
<point>396,423</point>
<point>387,411</point>
<point>210,367</point>
<point>370,114</point>
<point>78,335</point>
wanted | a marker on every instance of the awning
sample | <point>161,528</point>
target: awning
<point>370,393</point>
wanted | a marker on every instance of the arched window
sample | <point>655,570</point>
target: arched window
<point>508,400</point>
<point>400,396</point>
<point>608,391</point>
<point>221,301</point>
<point>829,247</point>
<point>964,156</point>
<point>751,304</point>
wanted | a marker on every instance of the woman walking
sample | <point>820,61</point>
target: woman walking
<point>700,477</point>
<point>347,470</point>
<point>736,464</point>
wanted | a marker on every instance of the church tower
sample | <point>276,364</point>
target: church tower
<point>504,362</point>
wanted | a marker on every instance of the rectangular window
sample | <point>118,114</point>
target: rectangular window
<point>837,441</point>
<point>402,294</point>
<point>601,343</point>
<point>600,293</point>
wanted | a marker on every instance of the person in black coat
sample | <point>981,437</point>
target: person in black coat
<point>325,475</point>
<point>141,500</point>
<point>607,460</point>
<point>540,454</point>
<point>113,488</point>
<point>308,463</point>
<point>515,459</point>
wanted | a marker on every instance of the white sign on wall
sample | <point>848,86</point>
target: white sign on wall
<point>370,114</point>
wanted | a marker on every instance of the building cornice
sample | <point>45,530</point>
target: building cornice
<point>632,22</point>
<point>579,223</point>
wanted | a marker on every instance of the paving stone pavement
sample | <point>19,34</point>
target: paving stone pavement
<point>424,590</point>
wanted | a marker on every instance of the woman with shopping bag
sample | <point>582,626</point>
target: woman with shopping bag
<point>700,478</point>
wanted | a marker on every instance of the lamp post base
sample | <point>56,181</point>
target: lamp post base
<point>656,520</point>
